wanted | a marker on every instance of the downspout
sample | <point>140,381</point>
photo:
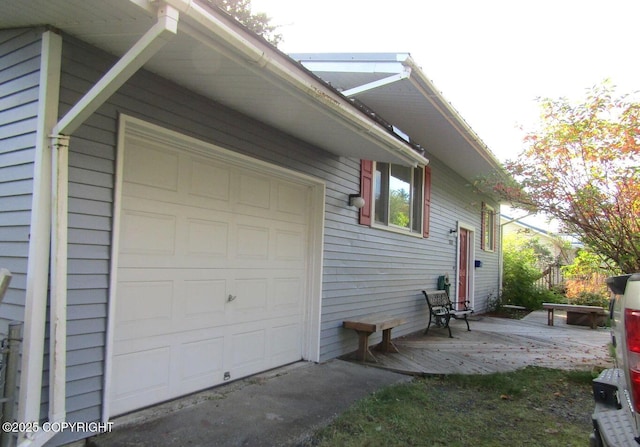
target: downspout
<point>58,309</point>
<point>148,45</point>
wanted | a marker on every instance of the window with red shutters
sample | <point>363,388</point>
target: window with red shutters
<point>401,200</point>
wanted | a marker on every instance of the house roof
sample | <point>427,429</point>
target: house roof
<point>214,56</point>
<point>395,87</point>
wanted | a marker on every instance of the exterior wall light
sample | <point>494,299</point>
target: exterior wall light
<point>356,200</point>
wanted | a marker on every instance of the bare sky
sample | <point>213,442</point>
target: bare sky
<point>490,58</point>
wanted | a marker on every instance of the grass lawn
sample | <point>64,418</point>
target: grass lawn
<point>532,406</point>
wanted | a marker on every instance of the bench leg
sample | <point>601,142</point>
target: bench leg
<point>467,321</point>
<point>364,354</point>
<point>594,320</point>
<point>386,345</point>
<point>550,317</point>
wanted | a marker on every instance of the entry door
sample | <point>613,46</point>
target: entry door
<point>463,267</point>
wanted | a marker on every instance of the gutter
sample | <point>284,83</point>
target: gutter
<point>288,73</point>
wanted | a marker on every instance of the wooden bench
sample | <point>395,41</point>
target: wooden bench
<point>593,311</point>
<point>513,307</point>
<point>441,310</point>
<point>369,324</point>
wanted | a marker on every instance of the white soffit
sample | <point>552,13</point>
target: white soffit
<point>213,56</point>
<point>395,88</point>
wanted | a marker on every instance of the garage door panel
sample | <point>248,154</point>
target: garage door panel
<point>148,233</point>
<point>205,299</point>
<point>292,201</point>
<point>248,348</point>
<point>201,363</point>
<point>285,343</point>
<point>250,298</point>
<point>289,245</point>
<point>211,273</point>
<point>252,242</point>
<point>144,308</point>
<point>254,191</point>
<point>287,294</point>
<point>207,238</point>
<point>208,180</point>
<point>161,167</point>
<point>153,365</point>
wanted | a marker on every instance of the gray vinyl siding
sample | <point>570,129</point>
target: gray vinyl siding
<point>19,74</point>
<point>365,269</point>
<point>369,270</point>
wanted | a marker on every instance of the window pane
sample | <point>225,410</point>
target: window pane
<point>400,196</point>
<point>381,192</point>
<point>416,219</point>
<point>489,228</point>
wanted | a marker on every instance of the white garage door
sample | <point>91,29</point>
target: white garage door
<point>212,273</point>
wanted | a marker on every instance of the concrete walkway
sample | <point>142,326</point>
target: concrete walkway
<point>285,406</point>
<point>280,408</point>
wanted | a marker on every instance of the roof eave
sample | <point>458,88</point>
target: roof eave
<point>292,75</point>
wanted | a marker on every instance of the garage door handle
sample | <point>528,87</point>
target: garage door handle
<point>231,298</point>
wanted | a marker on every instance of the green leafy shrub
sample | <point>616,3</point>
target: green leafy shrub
<point>520,275</point>
<point>590,299</point>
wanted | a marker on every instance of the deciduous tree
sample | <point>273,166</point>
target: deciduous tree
<point>582,166</point>
<point>259,23</point>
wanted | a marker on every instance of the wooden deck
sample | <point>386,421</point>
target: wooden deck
<point>499,345</point>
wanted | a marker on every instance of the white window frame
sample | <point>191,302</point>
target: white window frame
<point>418,232</point>
<point>488,227</point>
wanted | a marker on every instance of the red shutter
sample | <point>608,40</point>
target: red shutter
<point>427,202</point>
<point>366,185</point>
